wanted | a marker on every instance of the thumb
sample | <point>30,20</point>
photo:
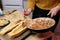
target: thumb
<point>24,12</point>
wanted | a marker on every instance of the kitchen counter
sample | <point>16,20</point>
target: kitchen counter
<point>27,35</point>
<point>8,17</point>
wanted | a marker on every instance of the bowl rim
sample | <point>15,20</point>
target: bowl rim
<point>45,28</point>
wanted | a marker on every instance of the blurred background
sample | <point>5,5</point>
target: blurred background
<point>20,5</point>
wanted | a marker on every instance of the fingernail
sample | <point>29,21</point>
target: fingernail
<point>47,14</point>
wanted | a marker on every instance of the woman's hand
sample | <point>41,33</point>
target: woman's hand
<point>54,11</point>
<point>26,12</point>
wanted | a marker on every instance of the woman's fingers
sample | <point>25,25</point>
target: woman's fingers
<point>26,12</point>
<point>49,13</point>
<point>52,13</point>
